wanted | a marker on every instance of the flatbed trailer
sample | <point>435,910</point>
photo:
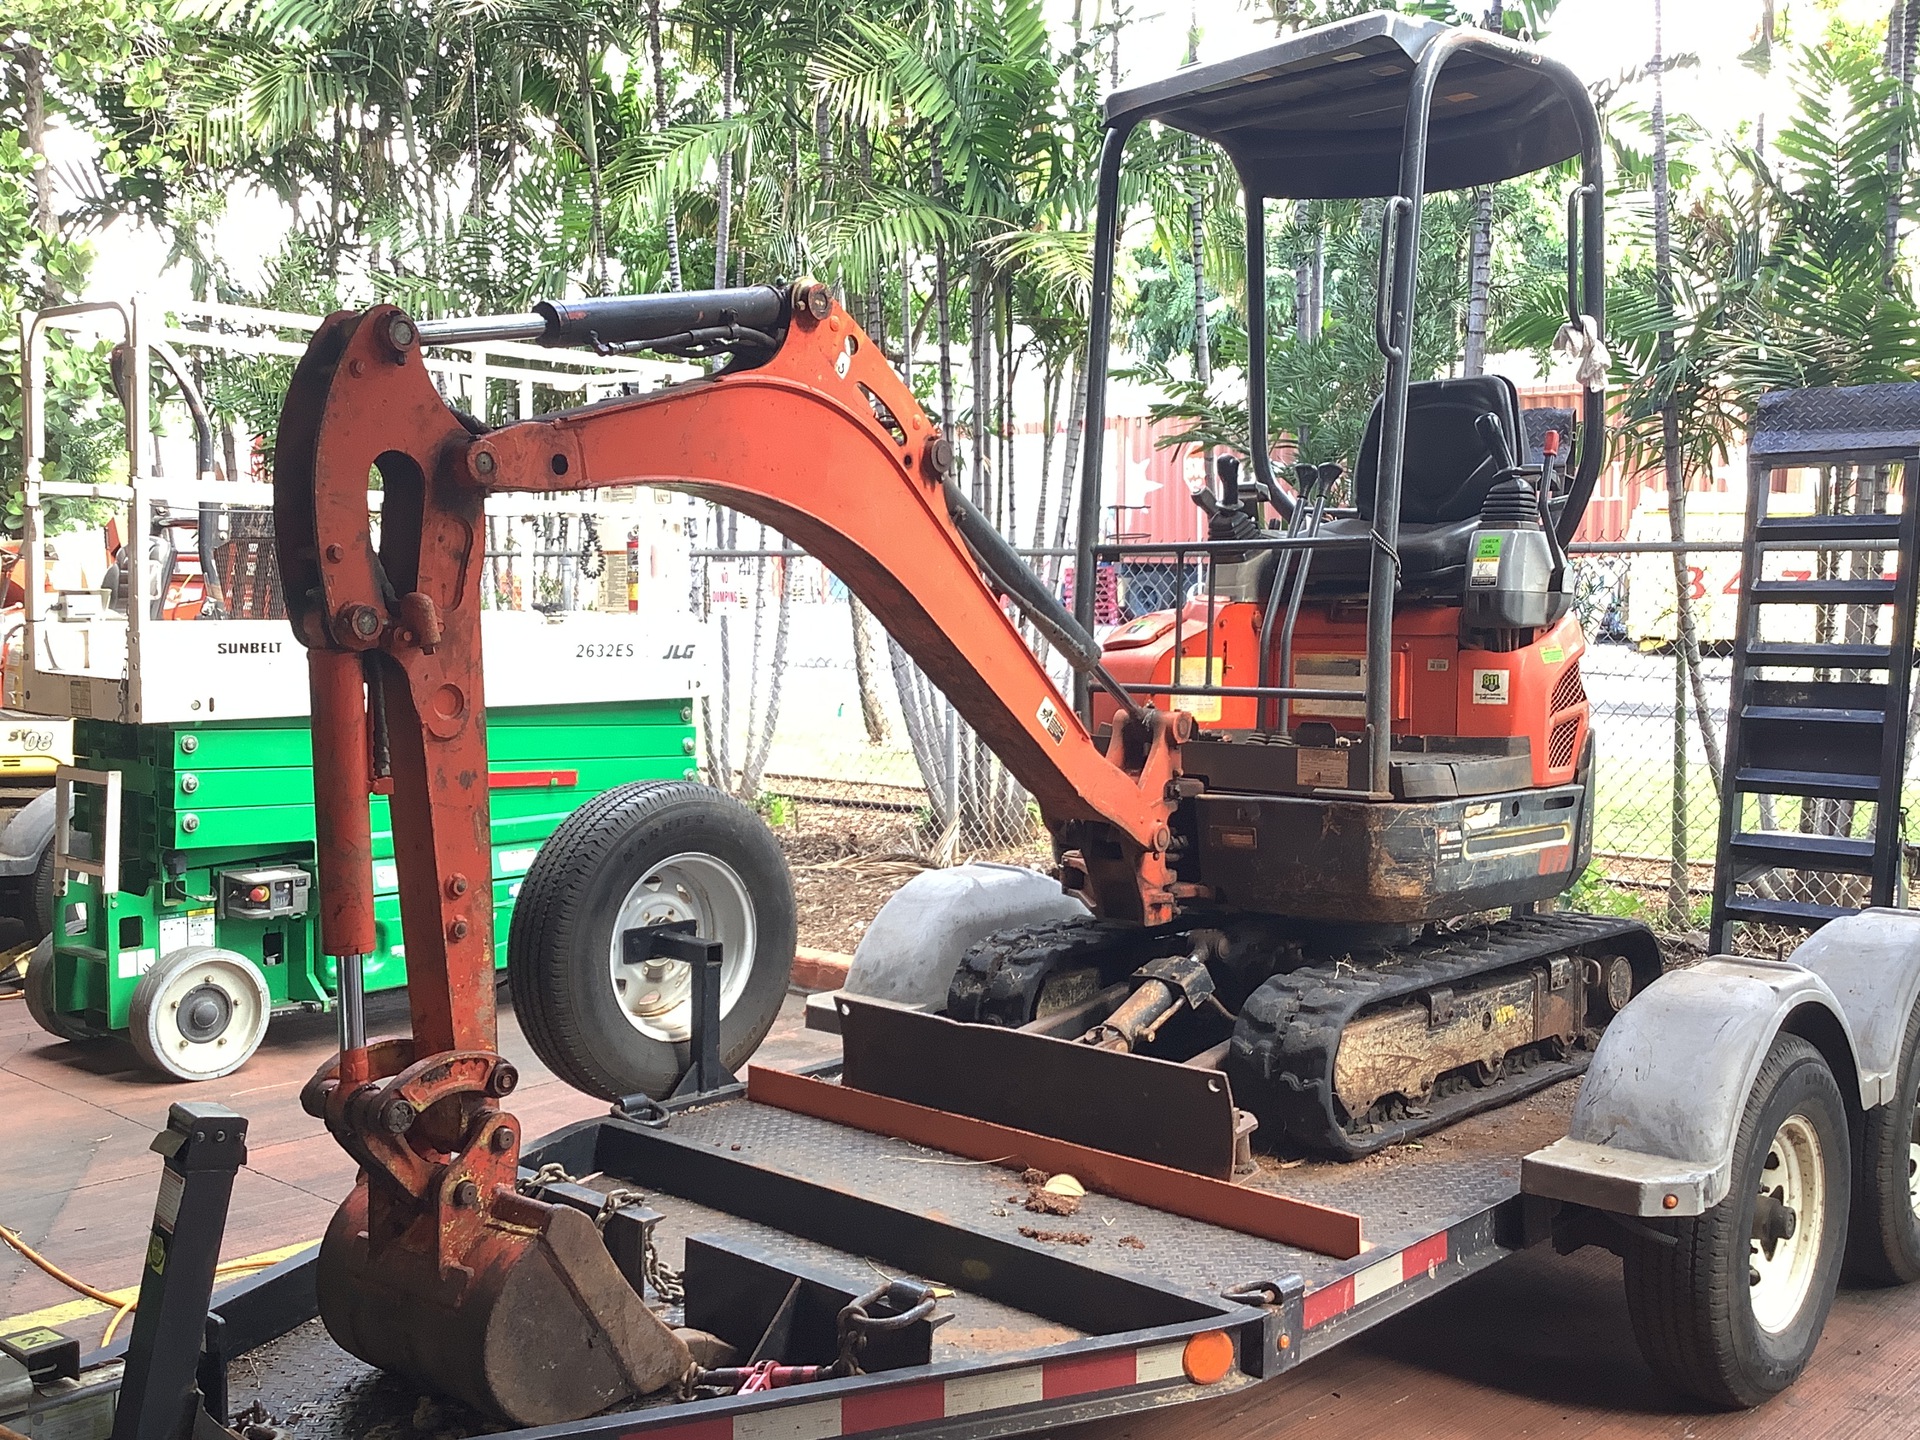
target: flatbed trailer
<point>756,1201</point>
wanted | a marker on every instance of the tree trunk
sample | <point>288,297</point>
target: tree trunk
<point>590,146</point>
<point>872,713</point>
<point>1479,281</point>
<point>723,214</point>
<point>33,95</point>
<point>1197,231</point>
<point>761,746</point>
<point>1677,876</point>
<point>1069,476</point>
<point>977,366</point>
<point>675,274</point>
<point>1304,326</point>
<point>1903,34</point>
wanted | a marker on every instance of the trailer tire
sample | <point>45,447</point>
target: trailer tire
<point>1883,1237</point>
<point>1718,1313</point>
<point>39,997</point>
<point>651,852</point>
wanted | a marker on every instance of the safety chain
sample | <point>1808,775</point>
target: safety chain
<point>548,1174</point>
<point>664,1279</point>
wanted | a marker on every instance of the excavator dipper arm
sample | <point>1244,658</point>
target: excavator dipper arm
<point>436,1260</point>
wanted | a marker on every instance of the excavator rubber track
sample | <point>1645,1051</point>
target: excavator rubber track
<point>1288,1035</point>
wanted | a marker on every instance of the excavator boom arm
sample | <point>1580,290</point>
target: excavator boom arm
<point>821,441</point>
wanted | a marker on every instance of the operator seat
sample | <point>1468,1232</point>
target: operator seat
<point>1444,480</point>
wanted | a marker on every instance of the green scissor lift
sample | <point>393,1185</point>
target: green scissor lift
<point>212,814</point>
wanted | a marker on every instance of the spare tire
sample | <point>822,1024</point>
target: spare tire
<point>648,853</point>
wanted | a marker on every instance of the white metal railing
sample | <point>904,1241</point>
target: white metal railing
<point>107,868</point>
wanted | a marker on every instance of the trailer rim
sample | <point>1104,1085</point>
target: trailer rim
<point>656,995</point>
<point>1783,1266</point>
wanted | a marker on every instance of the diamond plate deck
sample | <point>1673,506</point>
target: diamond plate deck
<point>1402,1195</point>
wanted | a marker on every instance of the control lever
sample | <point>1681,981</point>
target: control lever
<point>1493,435</point>
<point>1549,459</point>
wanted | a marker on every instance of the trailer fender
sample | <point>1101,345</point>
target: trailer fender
<point>916,942</point>
<point>1652,1132</point>
<point>26,836</point>
<point>1871,963</point>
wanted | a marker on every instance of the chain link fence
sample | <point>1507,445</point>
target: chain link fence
<point>814,705</point>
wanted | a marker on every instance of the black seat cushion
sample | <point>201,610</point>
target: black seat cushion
<point>1447,471</point>
<point>1445,478</point>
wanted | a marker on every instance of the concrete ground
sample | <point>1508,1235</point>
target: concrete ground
<point>1537,1347</point>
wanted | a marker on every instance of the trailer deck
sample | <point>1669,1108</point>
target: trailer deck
<point>1043,1331</point>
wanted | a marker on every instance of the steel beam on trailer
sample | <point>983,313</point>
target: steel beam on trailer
<point>1262,1213</point>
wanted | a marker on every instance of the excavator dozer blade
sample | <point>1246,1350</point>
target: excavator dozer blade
<point>536,1326</point>
<point>1180,1116</point>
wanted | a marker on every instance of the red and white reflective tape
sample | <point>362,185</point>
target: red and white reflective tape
<point>1376,1279</point>
<point>888,1408</point>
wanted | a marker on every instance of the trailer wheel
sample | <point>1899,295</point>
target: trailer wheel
<point>39,996</point>
<point>648,853</point>
<point>1883,1237</point>
<point>1728,1306</point>
<point>199,1013</point>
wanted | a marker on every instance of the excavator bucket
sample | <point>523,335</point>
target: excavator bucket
<point>536,1325</point>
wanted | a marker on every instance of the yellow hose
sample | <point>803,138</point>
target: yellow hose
<point>34,1257</point>
<point>121,1308</point>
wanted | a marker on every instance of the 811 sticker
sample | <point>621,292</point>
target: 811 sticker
<point>1490,687</point>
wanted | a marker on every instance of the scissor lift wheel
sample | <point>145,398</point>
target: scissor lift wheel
<point>1728,1306</point>
<point>40,998</point>
<point>200,1013</point>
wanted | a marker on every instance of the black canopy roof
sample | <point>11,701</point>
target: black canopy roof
<point>1321,115</point>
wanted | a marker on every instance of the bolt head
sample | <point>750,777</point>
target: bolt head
<point>189,823</point>
<point>457,930</point>
<point>818,301</point>
<point>400,332</point>
<point>457,885</point>
<point>482,461</point>
<point>939,456</point>
<point>398,1117</point>
<point>504,1081</point>
<point>466,1194</point>
<point>360,621</point>
<point>335,554</point>
<point>502,1140</point>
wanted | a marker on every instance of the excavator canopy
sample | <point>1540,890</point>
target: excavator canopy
<point>1322,115</point>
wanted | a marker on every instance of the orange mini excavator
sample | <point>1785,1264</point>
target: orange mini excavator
<point>1310,809</point>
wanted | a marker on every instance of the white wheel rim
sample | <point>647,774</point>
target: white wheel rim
<point>1913,1168</point>
<point>207,1018</point>
<point>656,996</point>
<point>1781,1270</point>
